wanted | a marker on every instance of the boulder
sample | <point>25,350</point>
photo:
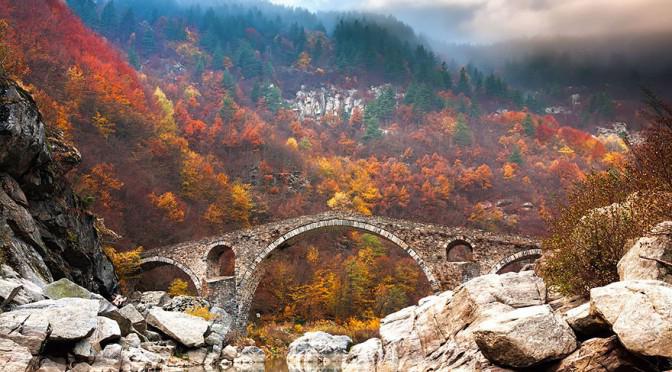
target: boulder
<point>29,292</point>
<point>136,319</point>
<point>250,355</point>
<point>364,356</point>
<point>602,355</point>
<point>14,357</point>
<point>584,323</point>
<point>27,328</point>
<point>52,365</point>
<point>63,288</point>
<point>438,333</point>
<point>132,340</point>
<point>109,359</point>
<point>184,328</point>
<point>138,359</point>
<point>525,337</point>
<point>8,290</point>
<point>71,319</point>
<point>229,352</point>
<point>318,347</point>
<point>106,331</point>
<point>640,314</point>
<point>645,259</point>
<point>154,298</point>
<point>182,303</point>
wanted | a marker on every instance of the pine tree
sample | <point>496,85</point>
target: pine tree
<point>463,85</point>
<point>462,132</point>
<point>516,157</point>
<point>108,18</point>
<point>372,128</point>
<point>133,58</point>
<point>528,126</point>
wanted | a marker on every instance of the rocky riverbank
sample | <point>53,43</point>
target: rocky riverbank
<point>512,322</point>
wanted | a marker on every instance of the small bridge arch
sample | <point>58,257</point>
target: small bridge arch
<point>165,260</point>
<point>518,256</point>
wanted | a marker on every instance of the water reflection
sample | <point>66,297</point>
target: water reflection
<point>271,365</point>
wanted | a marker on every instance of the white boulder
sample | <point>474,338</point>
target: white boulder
<point>318,347</point>
<point>364,356</point>
<point>525,337</point>
<point>645,259</point>
<point>183,328</point>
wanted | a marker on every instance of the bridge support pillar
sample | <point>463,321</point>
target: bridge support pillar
<point>222,293</point>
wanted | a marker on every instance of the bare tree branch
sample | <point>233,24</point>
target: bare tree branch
<point>662,262</point>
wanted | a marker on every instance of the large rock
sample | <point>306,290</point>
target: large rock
<point>645,258</point>
<point>584,323</point>
<point>602,355</point>
<point>640,313</point>
<point>71,319</point>
<point>182,303</point>
<point>318,347</point>
<point>63,288</point>
<point>154,298</point>
<point>364,357</point>
<point>137,321</point>
<point>47,232</point>
<point>525,337</point>
<point>249,355</point>
<point>15,358</point>
<point>438,333</point>
<point>27,328</point>
<point>183,328</point>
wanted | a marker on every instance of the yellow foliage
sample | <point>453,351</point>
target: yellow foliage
<point>201,312</point>
<point>312,255</point>
<point>303,62</point>
<point>167,123</point>
<point>169,203</point>
<point>292,144</point>
<point>509,170</point>
<point>104,125</point>
<point>178,287</point>
<point>126,264</point>
<point>241,202</point>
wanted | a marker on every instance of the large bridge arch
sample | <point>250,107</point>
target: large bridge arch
<point>250,277</point>
<point>168,261</point>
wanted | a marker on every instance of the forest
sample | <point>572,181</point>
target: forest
<point>187,121</point>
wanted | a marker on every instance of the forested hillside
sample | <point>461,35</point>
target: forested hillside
<point>193,121</point>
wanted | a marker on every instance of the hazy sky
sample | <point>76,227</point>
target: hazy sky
<point>495,20</point>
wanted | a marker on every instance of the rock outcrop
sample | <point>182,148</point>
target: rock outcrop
<point>647,258</point>
<point>364,357</point>
<point>602,355</point>
<point>640,314</point>
<point>44,229</point>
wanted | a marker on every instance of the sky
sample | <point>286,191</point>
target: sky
<point>486,21</point>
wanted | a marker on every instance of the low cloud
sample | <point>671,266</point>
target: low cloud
<point>497,20</point>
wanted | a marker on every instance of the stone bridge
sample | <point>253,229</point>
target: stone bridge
<point>227,268</point>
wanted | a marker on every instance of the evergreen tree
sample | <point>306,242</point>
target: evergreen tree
<point>273,98</point>
<point>108,18</point>
<point>372,128</point>
<point>462,132</point>
<point>463,84</point>
<point>515,156</point>
<point>228,108</point>
<point>528,126</point>
<point>133,58</point>
<point>228,81</point>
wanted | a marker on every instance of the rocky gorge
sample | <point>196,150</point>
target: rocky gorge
<point>60,310</point>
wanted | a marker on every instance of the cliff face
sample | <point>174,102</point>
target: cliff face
<point>45,233</point>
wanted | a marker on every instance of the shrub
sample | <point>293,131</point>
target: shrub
<point>201,312</point>
<point>608,209</point>
<point>179,287</point>
<point>126,264</point>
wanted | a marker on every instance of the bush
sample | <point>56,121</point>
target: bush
<point>607,210</point>
<point>126,264</point>
<point>179,287</point>
<point>201,312</point>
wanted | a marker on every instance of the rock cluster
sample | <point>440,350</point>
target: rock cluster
<point>506,322</point>
<point>318,348</point>
<point>74,329</point>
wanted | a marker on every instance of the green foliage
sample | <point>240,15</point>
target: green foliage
<point>462,132</point>
<point>372,128</point>
<point>463,84</point>
<point>515,156</point>
<point>528,126</point>
<point>422,97</point>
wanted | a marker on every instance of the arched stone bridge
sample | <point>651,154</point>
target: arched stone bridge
<point>447,255</point>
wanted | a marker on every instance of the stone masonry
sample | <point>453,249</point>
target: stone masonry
<point>426,243</point>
